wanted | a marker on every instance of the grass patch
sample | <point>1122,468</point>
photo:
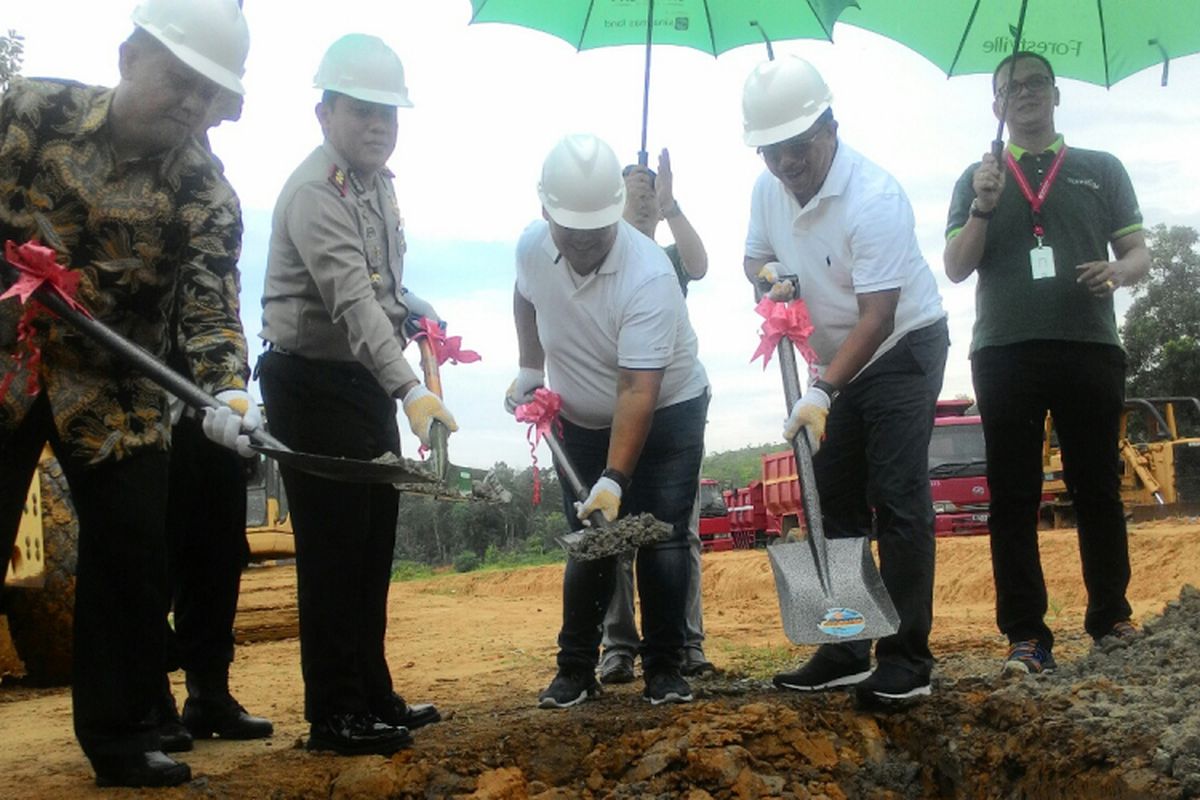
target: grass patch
<point>758,663</point>
<point>411,571</point>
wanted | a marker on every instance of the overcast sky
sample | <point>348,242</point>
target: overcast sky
<point>491,99</point>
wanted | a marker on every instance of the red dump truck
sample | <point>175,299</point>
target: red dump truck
<point>714,518</point>
<point>958,471</point>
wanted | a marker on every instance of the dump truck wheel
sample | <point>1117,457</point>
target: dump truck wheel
<point>41,620</point>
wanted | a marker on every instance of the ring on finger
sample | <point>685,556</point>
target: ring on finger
<point>1108,284</point>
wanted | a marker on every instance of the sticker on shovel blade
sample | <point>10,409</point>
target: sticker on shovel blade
<point>841,622</point>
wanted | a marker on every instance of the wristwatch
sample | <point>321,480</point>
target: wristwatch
<point>979,214</point>
<point>827,387</point>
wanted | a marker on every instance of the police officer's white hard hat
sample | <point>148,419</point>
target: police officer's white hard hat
<point>210,36</point>
<point>581,184</point>
<point>782,99</point>
<point>365,68</point>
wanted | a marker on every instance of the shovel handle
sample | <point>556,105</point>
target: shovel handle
<point>137,357</point>
<point>568,470</point>
<point>804,465</point>
<point>439,434</point>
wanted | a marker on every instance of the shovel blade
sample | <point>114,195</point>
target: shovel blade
<point>622,536</point>
<point>346,469</point>
<point>856,607</point>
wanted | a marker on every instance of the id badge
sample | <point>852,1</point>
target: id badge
<point>1041,263</point>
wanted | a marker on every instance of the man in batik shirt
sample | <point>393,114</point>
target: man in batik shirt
<point>114,182</point>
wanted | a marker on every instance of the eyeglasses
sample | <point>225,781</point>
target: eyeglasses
<point>797,148</point>
<point>1033,84</point>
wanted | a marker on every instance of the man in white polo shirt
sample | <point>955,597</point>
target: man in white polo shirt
<point>829,226</point>
<point>597,306</point>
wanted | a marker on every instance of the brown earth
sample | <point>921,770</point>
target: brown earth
<point>481,645</point>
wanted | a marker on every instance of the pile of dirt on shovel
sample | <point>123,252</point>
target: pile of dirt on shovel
<point>1121,721</point>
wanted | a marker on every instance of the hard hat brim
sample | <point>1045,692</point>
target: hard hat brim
<point>394,99</point>
<point>779,133</point>
<point>583,220</point>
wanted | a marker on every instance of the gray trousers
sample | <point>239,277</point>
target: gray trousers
<point>620,625</point>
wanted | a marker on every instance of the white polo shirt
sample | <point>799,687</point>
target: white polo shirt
<point>855,236</point>
<point>628,313</point>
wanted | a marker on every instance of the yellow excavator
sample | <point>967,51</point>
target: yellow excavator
<point>1159,443</point>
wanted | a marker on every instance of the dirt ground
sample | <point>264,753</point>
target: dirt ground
<point>1113,722</point>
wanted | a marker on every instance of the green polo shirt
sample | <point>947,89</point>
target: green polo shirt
<point>1090,204</point>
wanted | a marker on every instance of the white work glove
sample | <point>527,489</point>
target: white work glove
<point>418,307</point>
<point>809,413</point>
<point>229,424</point>
<point>605,497</point>
<point>781,291</point>
<point>521,390</point>
<point>422,407</point>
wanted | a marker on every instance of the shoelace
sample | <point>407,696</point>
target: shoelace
<point>1023,651</point>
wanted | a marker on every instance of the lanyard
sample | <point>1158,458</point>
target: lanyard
<point>1036,201</point>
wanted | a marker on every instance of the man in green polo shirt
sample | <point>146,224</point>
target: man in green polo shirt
<point>1037,225</point>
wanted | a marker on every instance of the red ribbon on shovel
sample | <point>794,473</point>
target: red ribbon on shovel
<point>445,348</point>
<point>541,413</point>
<point>785,319</point>
<point>36,268</point>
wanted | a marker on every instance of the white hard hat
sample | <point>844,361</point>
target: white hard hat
<point>210,36</point>
<point>781,99</point>
<point>365,68</point>
<point>581,184</point>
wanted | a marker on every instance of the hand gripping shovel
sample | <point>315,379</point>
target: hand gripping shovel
<point>829,589</point>
<point>332,467</point>
<point>603,538</point>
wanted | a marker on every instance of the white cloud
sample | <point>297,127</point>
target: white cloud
<point>491,99</point>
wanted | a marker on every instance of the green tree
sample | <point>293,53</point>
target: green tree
<point>12,51</point>
<point>1162,327</point>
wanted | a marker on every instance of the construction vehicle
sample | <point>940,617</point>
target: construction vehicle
<point>714,518</point>
<point>1159,444</point>
<point>958,470</point>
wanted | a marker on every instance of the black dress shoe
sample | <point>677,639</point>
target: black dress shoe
<point>401,714</point>
<point>356,735</point>
<point>173,737</point>
<point>154,768</point>
<point>225,718</point>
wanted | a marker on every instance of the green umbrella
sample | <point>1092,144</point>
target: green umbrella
<point>1096,41</point>
<point>712,26</point>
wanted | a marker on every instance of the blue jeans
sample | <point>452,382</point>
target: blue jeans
<point>1083,386</point>
<point>876,459</point>
<point>664,484</point>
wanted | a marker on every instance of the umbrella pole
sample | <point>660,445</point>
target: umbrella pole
<point>998,142</point>
<point>643,155</point>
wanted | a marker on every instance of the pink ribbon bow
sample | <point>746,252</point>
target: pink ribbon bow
<point>445,348</point>
<point>36,268</point>
<point>541,413</point>
<point>785,319</point>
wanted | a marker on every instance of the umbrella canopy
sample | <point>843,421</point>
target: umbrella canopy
<point>711,26</point>
<point>1097,41</point>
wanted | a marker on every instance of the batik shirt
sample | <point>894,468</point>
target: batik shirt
<point>136,231</point>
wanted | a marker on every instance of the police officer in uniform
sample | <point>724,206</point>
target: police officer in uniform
<point>333,317</point>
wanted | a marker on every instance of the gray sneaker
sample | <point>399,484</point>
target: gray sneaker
<point>616,668</point>
<point>695,665</point>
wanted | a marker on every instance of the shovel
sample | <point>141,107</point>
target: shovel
<point>604,538</point>
<point>829,589</point>
<point>439,434</point>
<point>331,467</point>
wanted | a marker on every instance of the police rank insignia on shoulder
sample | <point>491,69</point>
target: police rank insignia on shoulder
<point>337,176</point>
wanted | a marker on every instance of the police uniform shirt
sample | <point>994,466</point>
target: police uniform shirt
<point>335,269</point>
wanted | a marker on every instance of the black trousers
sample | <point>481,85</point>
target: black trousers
<point>1083,386</point>
<point>206,548</point>
<point>876,457</point>
<point>664,484</point>
<point>345,532</point>
<point>120,591</point>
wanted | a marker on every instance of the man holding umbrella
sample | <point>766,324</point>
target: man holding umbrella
<point>113,181</point>
<point>598,305</point>
<point>829,226</point>
<point>1037,229</point>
